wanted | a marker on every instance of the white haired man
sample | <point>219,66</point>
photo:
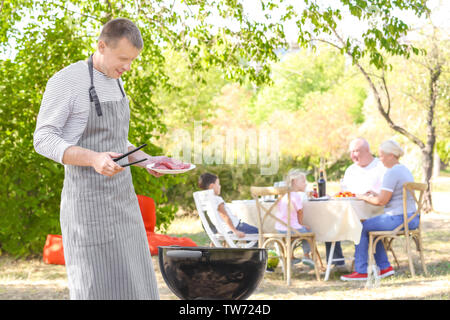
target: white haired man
<point>364,175</point>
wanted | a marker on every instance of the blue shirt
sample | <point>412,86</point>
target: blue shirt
<point>393,181</point>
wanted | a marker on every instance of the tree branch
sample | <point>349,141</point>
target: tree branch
<point>82,14</point>
<point>383,112</point>
<point>327,42</point>
<point>383,79</point>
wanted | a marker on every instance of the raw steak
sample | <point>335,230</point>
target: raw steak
<point>171,165</point>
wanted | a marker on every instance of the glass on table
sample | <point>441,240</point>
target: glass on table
<point>343,186</point>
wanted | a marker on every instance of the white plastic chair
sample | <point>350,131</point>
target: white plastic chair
<point>214,225</point>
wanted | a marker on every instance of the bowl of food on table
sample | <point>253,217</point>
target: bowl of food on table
<point>344,195</point>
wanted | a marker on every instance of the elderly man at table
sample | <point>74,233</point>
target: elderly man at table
<point>391,197</point>
<point>365,174</point>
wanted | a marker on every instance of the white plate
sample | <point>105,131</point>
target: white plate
<point>169,171</point>
<point>325,198</point>
<point>346,198</point>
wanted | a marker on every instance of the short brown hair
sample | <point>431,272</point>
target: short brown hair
<point>119,28</point>
<point>206,179</point>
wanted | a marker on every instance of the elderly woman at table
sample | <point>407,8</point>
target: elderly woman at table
<point>390,197</point>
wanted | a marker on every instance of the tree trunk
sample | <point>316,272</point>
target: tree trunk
<point>428,151</point>
<point>427,166</point>
<point>436,164</point>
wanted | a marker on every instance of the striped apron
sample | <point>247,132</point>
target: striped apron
<point>105,245</point>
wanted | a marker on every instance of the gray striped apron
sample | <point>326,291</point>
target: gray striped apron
<point>105,245</point>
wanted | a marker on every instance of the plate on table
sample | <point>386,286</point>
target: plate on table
<point>170,171</point>
<point>325,198</point>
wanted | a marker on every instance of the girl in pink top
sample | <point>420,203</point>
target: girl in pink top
<point>296,181</point>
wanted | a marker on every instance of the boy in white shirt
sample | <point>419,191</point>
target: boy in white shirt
<point>229,220</point>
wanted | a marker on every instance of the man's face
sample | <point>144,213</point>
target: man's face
<point>360,154</point>
<point>117,57</point>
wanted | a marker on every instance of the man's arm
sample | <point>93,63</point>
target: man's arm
<point>101,161</point>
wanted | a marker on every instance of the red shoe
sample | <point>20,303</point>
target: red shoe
<point>355,276</point>
<point>387,272</point>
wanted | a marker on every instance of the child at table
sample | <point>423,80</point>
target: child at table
<point>296,181</point>
<point>233,223</point>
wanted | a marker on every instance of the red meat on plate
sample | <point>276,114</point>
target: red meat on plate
<point>171,165</point>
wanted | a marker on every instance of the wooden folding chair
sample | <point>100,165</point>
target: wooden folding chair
<point>284,242</point>
<point>213,225</point>
<point>401,231</point>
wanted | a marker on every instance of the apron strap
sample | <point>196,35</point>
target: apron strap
<point>121,89</point>
<point>92,92</point>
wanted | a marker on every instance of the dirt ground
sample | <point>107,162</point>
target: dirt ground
<point>35,280</point>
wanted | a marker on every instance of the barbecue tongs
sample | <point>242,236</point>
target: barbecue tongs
<point>128,153</point>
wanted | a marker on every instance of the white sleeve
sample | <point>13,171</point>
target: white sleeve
<point>54,111</point>
<point>218,200</point>
<point>390,181</point>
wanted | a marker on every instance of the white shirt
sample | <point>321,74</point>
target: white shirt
<point>65,107</point>
<point>234,220</point>
<point>359,180</point>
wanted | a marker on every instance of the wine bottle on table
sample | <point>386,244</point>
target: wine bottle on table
<point>322,185</point>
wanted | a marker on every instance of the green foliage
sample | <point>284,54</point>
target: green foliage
<point>187,98</point>
<point>273,260</point>
<point>32,184</point>
<point>443,150</point>
<point>298,74</point>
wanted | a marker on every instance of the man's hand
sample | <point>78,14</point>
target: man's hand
<point>371,193</point>
<point>103,163</point>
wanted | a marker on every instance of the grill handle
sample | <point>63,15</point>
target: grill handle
<point>184,254</point>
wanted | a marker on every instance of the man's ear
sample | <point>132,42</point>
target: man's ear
<point>101,46</point>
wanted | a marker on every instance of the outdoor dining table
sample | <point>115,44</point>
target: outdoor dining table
<point>336,219</point>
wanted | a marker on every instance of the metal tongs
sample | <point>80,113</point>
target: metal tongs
<point>128,153</point>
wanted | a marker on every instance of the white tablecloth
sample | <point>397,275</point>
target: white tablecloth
<point>333,220</point>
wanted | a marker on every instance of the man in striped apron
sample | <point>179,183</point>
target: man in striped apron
<point>85,126</point>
